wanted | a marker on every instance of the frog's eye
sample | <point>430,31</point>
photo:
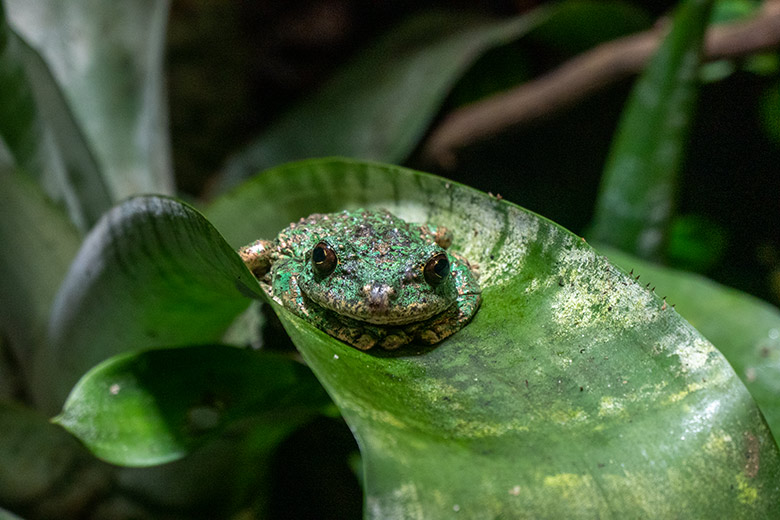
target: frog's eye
<point>323,259</point>
<point>436,269</point>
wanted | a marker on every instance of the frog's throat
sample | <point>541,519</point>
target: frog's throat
<point>390,316</point>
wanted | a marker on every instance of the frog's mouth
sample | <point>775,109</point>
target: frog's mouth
<point>379,304</point>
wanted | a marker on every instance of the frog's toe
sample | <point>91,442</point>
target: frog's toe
<point>430,336</point>
<point>257,257</point>
<point>363,342</point>
<point>443,237</point>
<point>395,340</point>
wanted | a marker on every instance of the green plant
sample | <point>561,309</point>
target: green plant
<point>576,391</point>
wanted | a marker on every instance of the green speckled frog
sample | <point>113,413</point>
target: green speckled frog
<point>368,278</point>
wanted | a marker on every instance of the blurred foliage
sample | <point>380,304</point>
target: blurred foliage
<point>695,244</point>
<point>637,197</point>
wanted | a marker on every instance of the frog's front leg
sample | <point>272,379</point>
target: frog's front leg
<point>457,316</point>
<point>287,291</point>
<point>257,256</point>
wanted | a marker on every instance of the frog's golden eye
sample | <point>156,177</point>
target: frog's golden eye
<point>436,269</point>
<point>323,259</point>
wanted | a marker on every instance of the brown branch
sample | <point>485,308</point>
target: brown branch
<point>584,75</point>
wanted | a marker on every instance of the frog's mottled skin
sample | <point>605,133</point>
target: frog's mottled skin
<point>377,294</point>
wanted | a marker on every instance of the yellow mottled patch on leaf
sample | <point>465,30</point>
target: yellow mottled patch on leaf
<point>611,406</point>
<point>746,493</point>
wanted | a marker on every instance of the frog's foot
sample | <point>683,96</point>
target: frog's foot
<point>456,317</point>
<point>365,336</point>
<point>257,257</point>
<point>360,335</point>
<point>354,337</point>
<point>472,267</point>
<point>450,321</point>
<point>395,340</point>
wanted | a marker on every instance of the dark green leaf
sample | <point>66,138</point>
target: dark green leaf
<point>38,243</point>
<point>745,329</point>
<point>379,105</point>
<point>152,272</point>
<point>695,243</point>
<point>133,410</point>
<point>640,178</point>
<point>107,61</point>
<point>574,393</point>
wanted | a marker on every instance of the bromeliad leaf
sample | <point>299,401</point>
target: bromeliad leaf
<point>572,388</point>
<point>745,329</point>
<point>152,272</point>
<point>134,410</point>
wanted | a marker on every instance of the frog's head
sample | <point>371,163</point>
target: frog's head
<point>385,275</point>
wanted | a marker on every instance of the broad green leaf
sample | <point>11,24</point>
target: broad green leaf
<point>107,58</point>
<point>40,134</point>
<point>379,105</point>
<point>152,272</point>
<point>132,410</point>
<point>639,184</point>
<point>38,243</point>
<point>745,329</point>
<point>573,393</point>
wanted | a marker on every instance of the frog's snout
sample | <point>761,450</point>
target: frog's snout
<point>378,296</point>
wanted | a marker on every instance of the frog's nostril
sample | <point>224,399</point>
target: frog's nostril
<point>378,295</point>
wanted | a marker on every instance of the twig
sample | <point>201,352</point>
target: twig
<point>584,75</point>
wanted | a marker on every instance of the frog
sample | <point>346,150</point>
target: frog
<point>368,278</point>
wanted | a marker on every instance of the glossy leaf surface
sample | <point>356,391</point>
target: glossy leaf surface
<point>134,410</point>
<point>152,272</point>
<point>639,184</point>
<point>745,329</point>
<point>574,392</point>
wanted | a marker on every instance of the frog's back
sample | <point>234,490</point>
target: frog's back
<point>363,228</point>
